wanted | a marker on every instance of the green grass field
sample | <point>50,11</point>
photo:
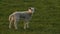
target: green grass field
<point>45,20</point>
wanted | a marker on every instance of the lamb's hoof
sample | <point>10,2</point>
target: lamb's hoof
<point>24,28</point>
<point>16,28</point>
<point>9,27</point>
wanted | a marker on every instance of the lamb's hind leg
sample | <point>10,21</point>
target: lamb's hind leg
<point>10,24</point>
<point>15,24</point>
<point>10,20</point>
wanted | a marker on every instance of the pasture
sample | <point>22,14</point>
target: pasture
<point>45,20</point>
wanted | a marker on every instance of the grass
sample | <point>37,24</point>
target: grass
<point>45,20</point>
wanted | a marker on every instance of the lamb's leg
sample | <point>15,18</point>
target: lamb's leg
<point>10,24</point>
<point>24,25</point>
<point>15,22</point>
<point>27,24</point>
<point>10,20</point>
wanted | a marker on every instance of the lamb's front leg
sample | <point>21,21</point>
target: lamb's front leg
<point>26,25</point>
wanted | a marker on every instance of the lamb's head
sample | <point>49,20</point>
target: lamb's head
<point>32,9</point>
